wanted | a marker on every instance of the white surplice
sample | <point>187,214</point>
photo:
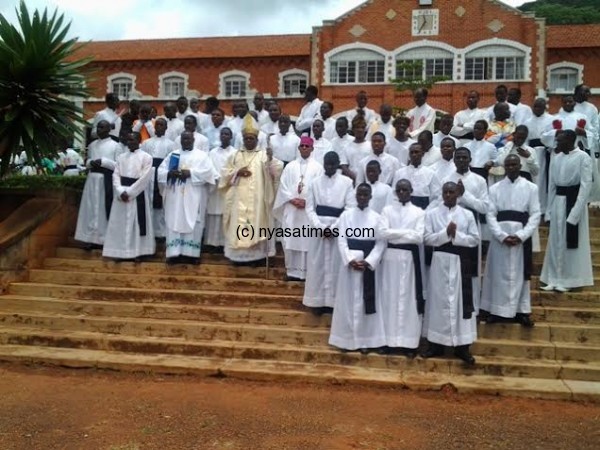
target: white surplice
<point>92,220</point>
<point>294,183</point>
<point>158,148</point>
<point>321,147</point>
<point>174,128</point>
<point>351,328</point>
<point>214,234</point>
<point>356,152</point>
<point>388,164</point>
<point>421,118</point>
<point>285,147</point>
<point>309,112</point>
<point>422,180</point>
<point>123,239</point>
<point>482,152</point>
<point>443,168</point>
<point>185,202</point>
<point>400,224</point>
<point>323,258</point>
<point>381,196</point>
<point>568,268</point>
<point>505,292</point>
<point>444,323</point>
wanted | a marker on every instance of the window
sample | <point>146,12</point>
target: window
<point>294,85</point>
<point>234,84</point>
<point>563,77</point>
<point>424,63</point>
<point>122,84</point>
<point>357,66</point>
<point>495,62</point>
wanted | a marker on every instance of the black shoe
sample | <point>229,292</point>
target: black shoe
<point>410,353</point>
<point>383,350</point>
<point>433,351</point>
<point>364,351</point>
<point>525,320</point>
<point>462,352</point>
<point>491,318</point>
<point>289,278</point>
<point>327,310</point>
<point>316,311</point>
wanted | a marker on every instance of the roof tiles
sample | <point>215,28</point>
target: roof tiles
<point>573,36</point>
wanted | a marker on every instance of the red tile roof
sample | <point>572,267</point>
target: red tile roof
<point>194,48</point>
<point>573,36</point>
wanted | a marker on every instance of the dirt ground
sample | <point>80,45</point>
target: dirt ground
<point>45,408</point>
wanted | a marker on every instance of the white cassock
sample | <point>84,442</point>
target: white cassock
<point>174,128</point>
<point>294,183</point>
<point>505,290</point>
<point>326,199</point>
<point>387,163</point>
<point>340,144</point>
<point>270,127</point>
<point>329,132</point>
<point>591,112</point>
<point>422,180</point>
<point>464,122</point>
<point>439,137</point>
<point>421,118</point>
<point>537,126</point>
<point>528,165</point>
<point>111,116</point>
<point>71,162</point>
<point>386,128</point>
<point>351,327</point>
<point>320,148</point>
<point>356,152</point>
<point>213,134</point>
<point>185,202</point>
<point>285,147</point>
<point>482,152</point>
<point>563,266</point>
<point>369,115</point>
<point>130,232</point>
<point>214,234</point>
<point>568,121</point>
<point>444,322</point>
<point>381,196</point>
<point>399,150</point>
<point>443,168</point>
<point>522,113</point>
<point>309,112</point>
<point>158,148</point>
<point>400,224</point>
<point>93,209</point>
<point>200,142</point>
<point>431,156</point>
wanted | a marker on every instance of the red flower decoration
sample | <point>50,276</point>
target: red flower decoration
<point>581,123</point>
<point>557,124</point>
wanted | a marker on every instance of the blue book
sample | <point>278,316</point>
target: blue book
<point>174,161</point>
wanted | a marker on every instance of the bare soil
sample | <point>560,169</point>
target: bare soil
<point>48,408</point>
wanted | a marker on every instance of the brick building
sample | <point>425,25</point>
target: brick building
<point>476,44</point>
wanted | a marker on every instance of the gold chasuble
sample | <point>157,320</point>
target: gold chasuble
<point>249,200</point>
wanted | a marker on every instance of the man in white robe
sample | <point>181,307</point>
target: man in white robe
<point>158,147</point>
<point>174,125</point>
<point>214,235</point>
<point>513,216</point>
<point>321,145</point>
<point>431,153</point>
<point>483,153</point>
<point>325,114</point>
<point>527,155</point>
<point>70,162</point>
<point>581,96</point>
<point>328,196</point>
<point>285,142</point>
<point>110,115</point>
<point>568,261</point>
<point>361,110</point>
<point>384,123</point>
<point>190,124</point>
<point>501,94</point>
<point>398,147</point>
<point>130,233</point>
<point>422,116</point>
<point>212,128</point>
<point>399,276</point>
<point>521,112</point>
<point>250,179</point>
<point>97,197</point>
<point>290,208</point>
<point>445,166</point>
<point>271,125</point>
<point>310,111</point>
<point>446,122</point>
<point>421,177</point>
<point>262,115</point>
<point>357,322</point>
<point>387,162</point>
<point>381,193</point>
<point>464,120</point>
<point>184,175</point>
<point>357,149</point>
<point>450,311</point>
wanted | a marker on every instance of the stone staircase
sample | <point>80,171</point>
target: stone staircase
<point>215,319</point>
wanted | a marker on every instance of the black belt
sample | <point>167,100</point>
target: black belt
<point>141,204</point>
<point>70,167</point>
<point>421,202</point>
<point>522,217</point>
<point>468,269</point>
<point>108,187</point>
<point>571,193</point>
<point>157,201</point>
<point>526,175</point>
<point>368,275</point>
<point>414,249</point>
<point>482,172</point>
<point>328,211</point>
<point>536,143</point>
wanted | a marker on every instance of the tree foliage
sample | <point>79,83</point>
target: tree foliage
<point>39,78</point>
<point>560,12</point>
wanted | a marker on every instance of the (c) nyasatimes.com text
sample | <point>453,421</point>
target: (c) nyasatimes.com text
<point>248,232</point>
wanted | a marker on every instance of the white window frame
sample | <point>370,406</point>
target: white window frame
<point>420,50</point>
<point>115,77</point>
<point>223,79</point>
<point>330,58</point>
<point>292,73</point>
<point>563,65</point>
<point>164,78</point>
<point>494,47</point>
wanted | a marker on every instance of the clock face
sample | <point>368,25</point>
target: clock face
<point>425,22</point>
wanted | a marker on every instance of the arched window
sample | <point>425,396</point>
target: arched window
<point>564,76</point>
<point>234,84</point>
<point>293,83</point>
<point>172,84</point>
<point>357,65</point>
<point>495,62</point>
<point>425,62</point>
<point>122,84</point>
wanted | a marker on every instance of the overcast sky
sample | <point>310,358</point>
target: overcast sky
<point>139,19</point>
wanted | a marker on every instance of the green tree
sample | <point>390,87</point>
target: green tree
<point>411,78</point>
<point>561,12</point>
<point>39,78</point>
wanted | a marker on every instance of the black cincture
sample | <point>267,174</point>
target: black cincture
<point>157,201</point>
<point>414,249</point>
<point>328,211</point>
<point>368,275</point>
<point>571,193</point>
<point>140,203</point>
<point>522,217</point>
<point>421,202</point>
<point>108,187</point>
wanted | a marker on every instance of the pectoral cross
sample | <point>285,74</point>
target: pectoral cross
<point>301,184</point>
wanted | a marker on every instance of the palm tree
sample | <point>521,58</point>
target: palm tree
<point>39,78</point>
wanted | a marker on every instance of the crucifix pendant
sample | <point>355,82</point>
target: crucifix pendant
<point>300,187</point>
